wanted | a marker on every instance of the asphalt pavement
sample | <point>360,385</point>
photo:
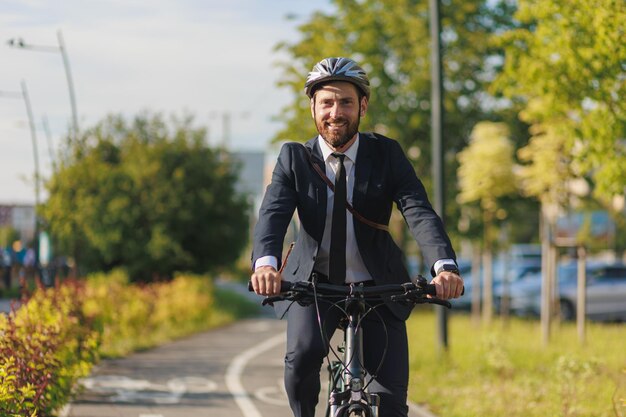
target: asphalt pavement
<point>235,370</point>
<point>231,371</point>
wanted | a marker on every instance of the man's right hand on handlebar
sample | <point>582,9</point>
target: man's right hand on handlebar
<point>449,285</point>
<point>266,281</point>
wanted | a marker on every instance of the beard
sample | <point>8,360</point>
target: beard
<point>337,137</point>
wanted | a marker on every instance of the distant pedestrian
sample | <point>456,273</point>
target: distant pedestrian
<point>7,264</point>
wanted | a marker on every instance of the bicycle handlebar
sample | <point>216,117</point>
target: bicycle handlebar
<point>415,292</point>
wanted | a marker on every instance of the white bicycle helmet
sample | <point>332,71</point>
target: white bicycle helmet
<point>337,69</point>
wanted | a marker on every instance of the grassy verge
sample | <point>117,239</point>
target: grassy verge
<point>503,370</point>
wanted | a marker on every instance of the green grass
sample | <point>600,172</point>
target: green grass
<point>230,306</point>
<point>504,371</point>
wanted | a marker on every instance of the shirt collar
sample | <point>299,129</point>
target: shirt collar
<point>350,152</point>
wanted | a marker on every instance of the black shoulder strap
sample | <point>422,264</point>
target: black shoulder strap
<point>330,185</point>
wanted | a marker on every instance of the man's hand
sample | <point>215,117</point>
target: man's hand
<point>266,281</point>
<point>449,285</point>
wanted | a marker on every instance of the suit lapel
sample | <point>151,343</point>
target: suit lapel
<point>363,169</point>
<point>314,150</point>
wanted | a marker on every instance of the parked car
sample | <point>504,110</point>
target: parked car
<point>605,294</point>
<point>508,272</point>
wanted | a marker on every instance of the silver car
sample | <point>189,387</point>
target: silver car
<point>606,292</point>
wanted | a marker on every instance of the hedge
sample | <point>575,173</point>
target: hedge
<point>58,334</point>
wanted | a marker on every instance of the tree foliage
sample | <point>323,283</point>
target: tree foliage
<point>486,166</point>
<point>147,196</point>
<point>390,39</point>
<point>568,65</point>
<point>486,175</point>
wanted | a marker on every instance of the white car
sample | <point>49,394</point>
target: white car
<point>606,292</point>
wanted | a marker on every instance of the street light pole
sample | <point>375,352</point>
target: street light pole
<point>436,112</point>
<point>70,84</point>
<point>19,43</point>
<point>33,135</point>
<point>23,95</point>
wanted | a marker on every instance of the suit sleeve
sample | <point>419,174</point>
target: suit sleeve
<point>277,209</point>
<point>411,198</point>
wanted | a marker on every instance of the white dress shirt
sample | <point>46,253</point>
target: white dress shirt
<point>355,268</point>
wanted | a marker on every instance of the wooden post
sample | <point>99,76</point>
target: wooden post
<point>581,294</point>
<point>476,287</point>
<point>545,280</point>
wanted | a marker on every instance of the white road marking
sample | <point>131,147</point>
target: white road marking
<point>239,393</point>
<point>128,390</point>
<point>235,369</point>
<point>272,395</point>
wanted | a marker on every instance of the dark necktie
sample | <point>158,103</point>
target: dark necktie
<point>337,268</point>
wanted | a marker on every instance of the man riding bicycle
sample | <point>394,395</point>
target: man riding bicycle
<point>347,242</point>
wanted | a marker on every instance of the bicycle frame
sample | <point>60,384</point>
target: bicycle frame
<point>347,390</point>
<point>349,396</point>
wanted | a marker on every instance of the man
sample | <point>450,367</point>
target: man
<point>371,172</point>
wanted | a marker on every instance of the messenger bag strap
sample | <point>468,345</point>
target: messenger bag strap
<point>351,209</point>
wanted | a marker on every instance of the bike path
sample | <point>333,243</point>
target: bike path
<point>236,370</point>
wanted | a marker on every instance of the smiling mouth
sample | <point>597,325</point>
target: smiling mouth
<point>336,125</point>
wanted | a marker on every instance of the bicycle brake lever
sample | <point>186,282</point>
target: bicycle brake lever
<point>270,300</point>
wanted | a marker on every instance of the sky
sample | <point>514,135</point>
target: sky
<point>203,57</point>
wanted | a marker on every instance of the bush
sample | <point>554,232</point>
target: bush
<point>45,346</point>
<point>58,334</point>
<point>132,317</point>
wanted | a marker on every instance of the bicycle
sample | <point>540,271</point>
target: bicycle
<point>348,389</point>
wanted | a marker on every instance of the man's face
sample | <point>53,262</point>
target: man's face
<point>337,113</point>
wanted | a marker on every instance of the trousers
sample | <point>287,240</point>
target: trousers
<point>306,351</point>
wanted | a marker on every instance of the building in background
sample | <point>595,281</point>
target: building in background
<point>20,217</point>
<point>250,181</point>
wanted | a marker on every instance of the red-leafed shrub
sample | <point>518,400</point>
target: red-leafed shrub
<point>45,346</point>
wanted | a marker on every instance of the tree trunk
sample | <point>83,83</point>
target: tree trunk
<point>476,287</point>
<point>487,268</point>
<point>546,281</point>
<point>487,286</point>
<point>581,296</point>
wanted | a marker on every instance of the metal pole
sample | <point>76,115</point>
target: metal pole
<point>33,135</point>
<point>19,43</point>
<point>46,129</point>
<point>70,84</point>
<point>436,105</point>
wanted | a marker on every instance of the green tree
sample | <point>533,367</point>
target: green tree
<point>390,39</point>
<point>485,175</point>
<point>568,65</point>
<point>148,196</point>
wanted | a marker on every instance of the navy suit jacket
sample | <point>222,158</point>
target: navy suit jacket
<point>383,175</point>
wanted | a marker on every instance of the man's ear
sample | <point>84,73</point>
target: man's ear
<point>313,107</point>
<point>364,102</point>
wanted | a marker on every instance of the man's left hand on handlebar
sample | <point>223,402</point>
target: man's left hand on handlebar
<point>266,281</point>
<point>449,285</point>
